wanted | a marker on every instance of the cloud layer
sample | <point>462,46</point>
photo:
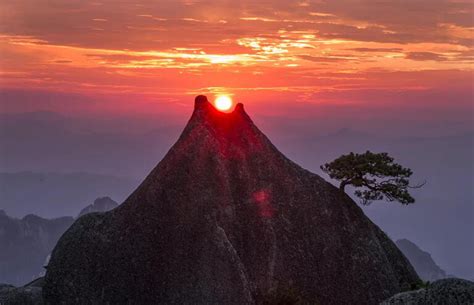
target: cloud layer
<point>168,50</point>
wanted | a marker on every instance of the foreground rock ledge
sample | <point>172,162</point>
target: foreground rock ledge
<point>225,218</point>
<point>443,292</point>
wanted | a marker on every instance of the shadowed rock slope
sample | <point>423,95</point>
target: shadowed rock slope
<point>225,218</point>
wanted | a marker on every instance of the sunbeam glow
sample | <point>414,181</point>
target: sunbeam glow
<point>223,103</point>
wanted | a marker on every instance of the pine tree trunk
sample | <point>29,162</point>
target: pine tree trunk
<point>343,185</point>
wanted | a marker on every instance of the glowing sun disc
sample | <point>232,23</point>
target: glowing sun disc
<point>223,102</point>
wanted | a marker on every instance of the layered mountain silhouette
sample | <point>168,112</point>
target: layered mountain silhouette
<point>225,218</point>
<point>26,243</point>
<point>100,205</point>
<point>421,260</point>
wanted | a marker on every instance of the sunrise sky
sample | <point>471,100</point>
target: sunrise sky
<point>399,59</point>
<point>107,86</point>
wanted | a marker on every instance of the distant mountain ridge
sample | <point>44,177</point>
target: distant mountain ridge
<point>102,204</point>
<point>421,260</point>
<point>26,243</point>
<point>61,143</point>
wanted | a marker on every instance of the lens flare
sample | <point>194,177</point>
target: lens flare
<point>223,102</point>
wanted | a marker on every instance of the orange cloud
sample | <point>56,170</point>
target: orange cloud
<point>185,46</point>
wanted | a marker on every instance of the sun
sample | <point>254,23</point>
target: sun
<point>223,102</point>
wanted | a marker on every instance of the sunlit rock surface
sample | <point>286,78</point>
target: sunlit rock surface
<point>223,219</point>
<point>442,292</point>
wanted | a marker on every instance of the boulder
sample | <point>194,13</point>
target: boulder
<point>225,218</point>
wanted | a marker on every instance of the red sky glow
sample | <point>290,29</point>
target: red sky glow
<point>285,52</point>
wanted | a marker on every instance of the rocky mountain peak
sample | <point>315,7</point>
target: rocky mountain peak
<point>233,130</point>
<point>225,218</point>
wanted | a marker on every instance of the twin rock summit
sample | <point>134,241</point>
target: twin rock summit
<point>225,218</point>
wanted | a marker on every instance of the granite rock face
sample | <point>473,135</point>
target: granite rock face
<point>422,261</point>
<point>225,218</point>
<point>442,292</point>
<point>100,205</point>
